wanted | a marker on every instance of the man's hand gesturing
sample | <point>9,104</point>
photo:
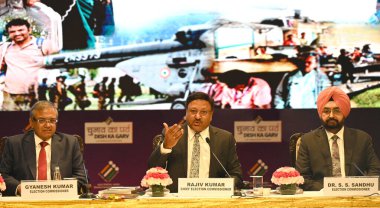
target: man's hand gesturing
<point>172,134</point>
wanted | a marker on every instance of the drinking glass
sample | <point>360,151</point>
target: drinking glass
<point>257,182</point>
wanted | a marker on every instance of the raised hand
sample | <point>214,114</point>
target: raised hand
<point>172,134</point>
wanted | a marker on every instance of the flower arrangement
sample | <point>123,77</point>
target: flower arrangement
<point>2,183</point>
<point>286,176</point>
<point>156,176</point>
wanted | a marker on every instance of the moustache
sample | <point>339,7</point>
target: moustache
<point>331,119</point>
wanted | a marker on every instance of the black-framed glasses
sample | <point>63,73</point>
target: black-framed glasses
<point>46,120</point>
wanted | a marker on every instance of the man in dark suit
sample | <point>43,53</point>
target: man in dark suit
<point>334,150</point>
<point>35,154</point>
<point>186,141</point>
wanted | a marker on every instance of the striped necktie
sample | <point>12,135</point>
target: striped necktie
<point>336,170</point>
<point>194,168</point>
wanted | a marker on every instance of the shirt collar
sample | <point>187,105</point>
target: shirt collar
<point>204,134</point>
<point>31,42</point>
<point>38,140</point>
<point>310,73</point>
<point>339,134</point>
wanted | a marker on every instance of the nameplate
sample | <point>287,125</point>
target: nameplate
<point>350,186</point>
<point>205,187</point>
<point>54,189</point>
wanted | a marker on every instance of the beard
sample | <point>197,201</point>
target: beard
<point>332,124</point>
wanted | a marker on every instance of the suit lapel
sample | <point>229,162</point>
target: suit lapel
<point>213,162</point>
<point>325,148</point>
<point>349,143</point>
<point>29,149</point>
<point>182,147</point>
<point>56,150</point>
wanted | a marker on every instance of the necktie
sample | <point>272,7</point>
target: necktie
<point>335,157</point>
<point>42,163</point>
<point>194,168</point>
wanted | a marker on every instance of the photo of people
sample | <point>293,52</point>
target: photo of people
<point>137,55</point>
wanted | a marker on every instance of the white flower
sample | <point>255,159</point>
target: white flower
<point>287,175</point>
<point>156,176</point>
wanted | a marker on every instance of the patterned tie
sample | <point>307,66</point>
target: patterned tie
<point>42,163</point>
<point>194,168</point>
<point>335,157</point>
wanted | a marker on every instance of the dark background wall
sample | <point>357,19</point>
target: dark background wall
<point>132,158</point>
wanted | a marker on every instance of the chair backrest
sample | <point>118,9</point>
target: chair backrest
<point>86,188</point>
<point>2,144</point>
<point>294,144</point>
<point>157,140</point>
<point>81,142</point>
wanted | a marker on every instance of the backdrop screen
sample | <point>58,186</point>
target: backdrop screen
<point>137,55</point>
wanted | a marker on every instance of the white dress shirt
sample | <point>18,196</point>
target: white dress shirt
<point>340,143</point>
<point>204,160</point>
<point>48,155</point>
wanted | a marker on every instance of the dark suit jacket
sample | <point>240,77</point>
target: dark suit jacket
<point>19,159</point>
<point>222,143</point>
<point>314,157</point>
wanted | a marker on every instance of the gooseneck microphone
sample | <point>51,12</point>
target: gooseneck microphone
<point>208,142</point>
<point>86,192</point>
<point>236,192</point>
<point>357,168</point>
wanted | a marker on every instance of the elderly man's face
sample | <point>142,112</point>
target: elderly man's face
<point>332,117</point>
<point>44,122</point>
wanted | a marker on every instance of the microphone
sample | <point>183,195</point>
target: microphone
<point>208,142</point>
<point>236,192</point>
<point>86,187</point>
<point>357,168</point>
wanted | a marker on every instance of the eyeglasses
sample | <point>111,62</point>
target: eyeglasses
<point>328,111</point>
<point>195,112</point>
<point>45,121</point>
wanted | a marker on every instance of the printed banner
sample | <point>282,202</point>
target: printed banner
<point>108,133</point>
<point>253,131</point>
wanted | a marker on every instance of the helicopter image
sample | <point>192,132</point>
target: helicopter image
<point>179,65</point>
<point>222,48</point>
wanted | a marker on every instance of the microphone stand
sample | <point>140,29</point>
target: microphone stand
<point>236,192</point>
<point>87,194</point>
<point>360,171</point>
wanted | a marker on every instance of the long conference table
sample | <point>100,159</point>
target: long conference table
<point>307,199</point>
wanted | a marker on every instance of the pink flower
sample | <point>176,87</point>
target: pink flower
<point>2,183</point>
<point>156,176</point>
<point>287,175</point>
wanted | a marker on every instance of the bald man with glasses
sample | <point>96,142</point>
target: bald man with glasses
<point>35,154</point>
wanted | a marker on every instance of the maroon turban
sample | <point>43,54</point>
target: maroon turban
<point>338,96</point>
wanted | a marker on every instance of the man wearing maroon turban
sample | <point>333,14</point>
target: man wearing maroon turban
<point>335,150</point>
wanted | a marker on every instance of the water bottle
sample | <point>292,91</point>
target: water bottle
<point>57,173</point>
